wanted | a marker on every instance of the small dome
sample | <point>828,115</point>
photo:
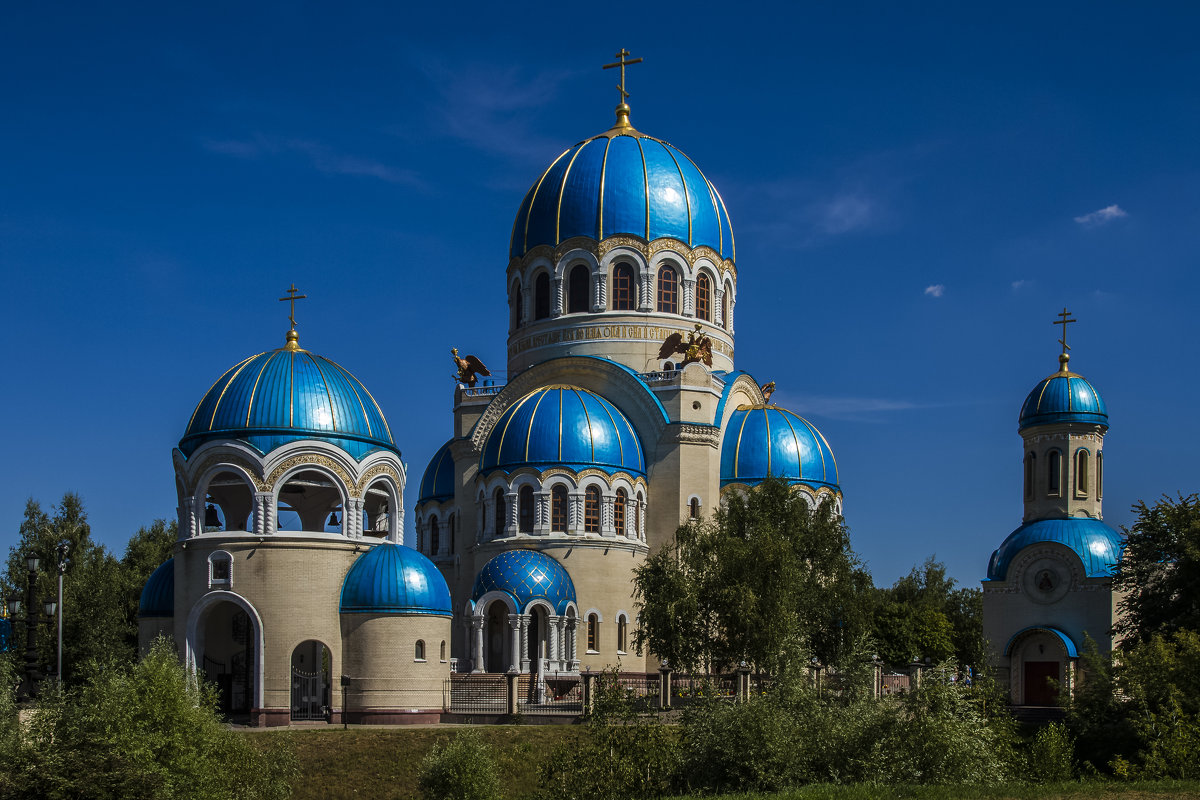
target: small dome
<point>1096,544</point>
<point>563,426</point>
<point>767,440</point>
<point>286,395</point>
<point>1063,397</point>
<point>438,481</point>
<point>525,576</point>
<point>158,595</point>
<point>394,579</point>
<point>622,182</point>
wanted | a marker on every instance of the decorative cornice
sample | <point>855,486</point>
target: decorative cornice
<point>602,248</point>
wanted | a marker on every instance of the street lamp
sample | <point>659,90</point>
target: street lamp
<point>29,683</point>
<point>62,550</point>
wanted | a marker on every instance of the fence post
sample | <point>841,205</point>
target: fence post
<point>743,690</point>
<point>589,692</point>
<point>664,689</point>
<point>510,679</point>
<point>877,666</point>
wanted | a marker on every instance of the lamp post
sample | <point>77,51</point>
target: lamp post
<point>29,683</point>
<point>62,550</point>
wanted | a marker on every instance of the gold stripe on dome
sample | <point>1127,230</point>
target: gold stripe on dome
<point>591,436</point>
<point>831,453</point>
<point>254,389</point>
<point>737,451</point>
<point>616,427</point>
<point>291,390</point>
<point>366,417</point>
<point>767,422</point>
<point>532,200</point>
<point>645,184</point>
<point>562,188</point>
<point>728,221</point>
<point>386,428</point>
<point>238,367</point>
<point>603,171</point>
<point>504,433</point>
<point>687,196</point>
<point>532,419</point>
<point>560,431</point>
<point>329,396</point>
<point>799,456</point>
<point>717,204</point>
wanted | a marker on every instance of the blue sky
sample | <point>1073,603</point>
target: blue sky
<point>916,192</point>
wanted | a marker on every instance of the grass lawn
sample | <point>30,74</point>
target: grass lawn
<point>382,763</point>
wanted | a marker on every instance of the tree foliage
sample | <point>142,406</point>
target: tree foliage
<point>137,731</point>
<point>463,769</point>
<point>766,579</point>
<point>923,615</point>
<point>100,592</point>
<point>1160,570</point>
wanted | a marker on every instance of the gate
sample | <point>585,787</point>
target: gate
<point>308,695</point>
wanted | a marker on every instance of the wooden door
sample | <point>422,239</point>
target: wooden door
<point>1038,688</point>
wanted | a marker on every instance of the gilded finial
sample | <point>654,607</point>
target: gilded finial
<point>622,106</point>
<point>293,338</point>
<point>1064,320</point>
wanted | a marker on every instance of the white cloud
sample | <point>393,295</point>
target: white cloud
<point>845,212</point>
<point>936,290</point>
<point>1101,217</point>
<point>1018,285</point>
<point>324,159</point>
<point>857,409</point>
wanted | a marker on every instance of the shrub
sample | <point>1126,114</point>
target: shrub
<point>461,770</point>
<point>1051,755</point>
<point>143,731</point>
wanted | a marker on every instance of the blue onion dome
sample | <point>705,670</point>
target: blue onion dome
<point>158,595</point>
<point>286,395</point>
<point>762,440</point>
<point>622,182</point>
<point>438,481</point>
<point>393,579</point>
<point>1098,546</point>
<point>1063,397</point>
<point>525,576</point>
<point>563,426</point>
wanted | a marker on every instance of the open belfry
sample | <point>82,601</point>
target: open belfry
<point>623,415</point>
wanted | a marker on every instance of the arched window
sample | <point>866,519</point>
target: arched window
<point>419,650</point>
<point>578,290</point>
<point>725,300</point>
<point>1100,475</point>
<point>624,288</point>
<point>619,512</point>
<point>435,538</point>
<point>220,569</point>
<point>694,508</point>
<point>442,651</point>
<point>525,509</point>
<point>668,290</point>
<point>1054,476</point>
<point>558,508</point>
<point>541,296</point>
<point>515,308</point>
<point>591,510</point>
<point>621,631</point>
<point>704,298</point>
<point>501,513</point>
<point>593,633</point>
<point>1081,472</point>
<point>1030,466</point>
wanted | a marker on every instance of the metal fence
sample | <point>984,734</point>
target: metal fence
<point>553,693</point>
<point>475,694</point>
<point>689,689</point>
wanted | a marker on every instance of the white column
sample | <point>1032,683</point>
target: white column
<point>575,512</point>
<point>264,512</point>
<point>552,654</point>
<point>514,646</point>
<point>572,657</point>
<point>689,298</point>
<point>729,323</point>
<point>646,291</point>
<point>719,307</point>
<point>524,642</point>
<point>477,631</point>
<point>606,515</point>
<point>556,309</point>
<point>541,522</point>
<point>599,292</point>
<point>511,507</point>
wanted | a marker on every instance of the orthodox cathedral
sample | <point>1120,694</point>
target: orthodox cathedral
<point>624,415</point>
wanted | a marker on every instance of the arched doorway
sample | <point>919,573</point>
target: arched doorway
<point>495,632</point>
<point>228,657</point>
<point>311,663</point>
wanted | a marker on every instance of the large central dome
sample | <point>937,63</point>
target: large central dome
<point>622,182</point>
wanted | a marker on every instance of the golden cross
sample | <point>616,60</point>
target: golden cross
<point>622,62</point>
<point>292,298</point>
<point>1064,321</point>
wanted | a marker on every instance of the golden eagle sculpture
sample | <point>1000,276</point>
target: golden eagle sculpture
<point>768,389</point>
<point>468,368</point>
<point>696,348</point>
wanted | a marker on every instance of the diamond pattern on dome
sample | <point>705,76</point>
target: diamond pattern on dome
<point>525,576</point>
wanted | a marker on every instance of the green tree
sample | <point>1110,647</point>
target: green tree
<point>1160,570</point>
<point>766,579</point>
<point>96,624</point>
<point>145,552</point>
<point>141,730</point>
<point>924,615</point>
